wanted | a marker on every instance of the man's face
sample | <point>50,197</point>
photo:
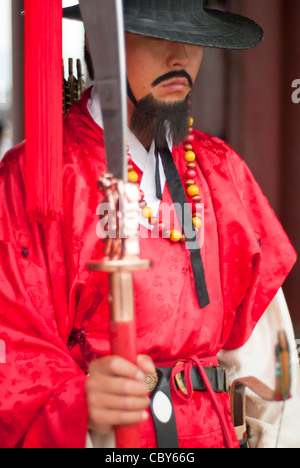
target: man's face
<point>149,62</point>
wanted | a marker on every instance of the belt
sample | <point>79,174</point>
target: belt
<point>216,375</point>
<point>161,405</point>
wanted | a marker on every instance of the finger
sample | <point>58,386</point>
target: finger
<point>101,419</point>
<point>117,402</point>
<point>101,383</point>
<point>115,365</point>
<point>146,364</point>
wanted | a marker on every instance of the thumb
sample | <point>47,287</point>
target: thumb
<point>146,364</point>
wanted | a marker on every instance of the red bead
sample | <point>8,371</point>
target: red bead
<point>190,174</point>
<point>191,165</point>
<point>190,138</point>
<point>196,207</point>
<point>142,195</point>
<point>159,228</point>
<point>189,182</point>
<point>196,198</point>
<point>188,147</point>
<point>153,221</point>
<point>142,204</point>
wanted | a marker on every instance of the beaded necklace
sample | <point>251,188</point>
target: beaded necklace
<point>191,189</point>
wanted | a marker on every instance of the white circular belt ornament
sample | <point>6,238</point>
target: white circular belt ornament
<point>162,407</point>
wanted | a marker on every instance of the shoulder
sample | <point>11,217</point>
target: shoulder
<point>83,138</point>
<point>80,129</point>
<point>213,145</point>
<point>214,154</point>
<point>12,166</point>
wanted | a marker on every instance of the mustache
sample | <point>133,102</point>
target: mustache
<point>173,74</point>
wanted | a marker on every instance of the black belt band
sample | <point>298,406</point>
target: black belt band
<point>216,376</point>
<point>165,427</point>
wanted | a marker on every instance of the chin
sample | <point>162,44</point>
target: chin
<point>171,99</point>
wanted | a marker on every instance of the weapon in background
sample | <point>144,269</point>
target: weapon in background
<point>72,87</point>
<point>281,392</point>
<point>103,21</point>
<point>80,85</point>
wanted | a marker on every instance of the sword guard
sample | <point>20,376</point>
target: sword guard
<point>120,210</point>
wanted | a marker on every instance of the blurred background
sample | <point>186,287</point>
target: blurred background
<point>243,97</point>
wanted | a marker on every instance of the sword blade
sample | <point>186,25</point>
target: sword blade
<point>104,25</point>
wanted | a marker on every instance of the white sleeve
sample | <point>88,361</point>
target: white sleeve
<point>257,358</point>
<point>98,441</point>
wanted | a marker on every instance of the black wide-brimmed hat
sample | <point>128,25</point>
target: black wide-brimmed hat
<point>186,21</point>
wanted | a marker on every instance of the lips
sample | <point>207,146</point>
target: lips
<point>176,83</point>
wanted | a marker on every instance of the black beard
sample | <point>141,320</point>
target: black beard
<point>152,118</point>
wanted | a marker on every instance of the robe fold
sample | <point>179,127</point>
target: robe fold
<point>54,313</point>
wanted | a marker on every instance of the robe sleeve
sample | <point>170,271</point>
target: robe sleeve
<point>43,400</point>
<point>273,260</point>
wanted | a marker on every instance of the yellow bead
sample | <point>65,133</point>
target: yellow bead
<point>132,176</point>
<point>175,235</point>
<point>190,156</point>
<point>197,222</point>
<point>191,121</point>
<point>192,190</point>
<point>147,212</point>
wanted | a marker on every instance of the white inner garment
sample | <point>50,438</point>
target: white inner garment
<point>146,161</point>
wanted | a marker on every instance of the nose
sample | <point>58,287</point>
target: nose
<point>177,56</point>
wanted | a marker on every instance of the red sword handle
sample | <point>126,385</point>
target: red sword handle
<point>123,343</point>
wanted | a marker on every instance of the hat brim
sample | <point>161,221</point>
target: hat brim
<point>211,28</point>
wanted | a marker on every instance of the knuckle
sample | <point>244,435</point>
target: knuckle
<point>91,385</point>
<point>98,422</point>
<point>122,418</point>
<point>127,387</point>
<point>128,403</point>
<point>94,365</point>
<point>113,365</point>
<point>95,417</point>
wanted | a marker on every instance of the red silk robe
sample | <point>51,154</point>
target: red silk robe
<point>54,315</point>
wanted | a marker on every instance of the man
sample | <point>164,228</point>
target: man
<point>55,313</point>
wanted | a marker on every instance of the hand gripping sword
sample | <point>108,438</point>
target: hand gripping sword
<point>104,27</point>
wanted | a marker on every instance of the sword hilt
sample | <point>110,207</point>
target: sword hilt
<point>121,259</point>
